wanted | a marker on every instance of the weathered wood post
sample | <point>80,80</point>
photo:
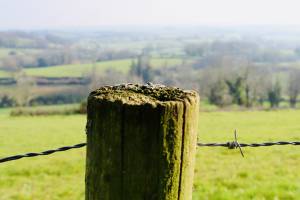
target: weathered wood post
<point>141,143</point>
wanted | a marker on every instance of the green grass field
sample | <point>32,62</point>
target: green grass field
<point>81,69</point>
<point>265,173</point>
<point>5,52</point>
<point>4,74</point>
<point>78,70</point>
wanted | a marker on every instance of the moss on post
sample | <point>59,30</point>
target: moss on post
<point>141,143</point>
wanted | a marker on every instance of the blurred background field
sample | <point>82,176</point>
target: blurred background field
<point>265,173</point>
<point>250,67</point>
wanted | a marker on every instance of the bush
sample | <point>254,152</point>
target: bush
<point>83,108</point>
<point>274,95</point>
<point>56,99</point>
<point>40,112</point>
<point>218,94</point>
<point>6,101</point>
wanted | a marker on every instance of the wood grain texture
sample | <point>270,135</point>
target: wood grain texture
<point>141,143</point>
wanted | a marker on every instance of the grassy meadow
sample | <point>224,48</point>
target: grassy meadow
<point>265,173</point>
<point>78,70</point>
<point>4,74</point>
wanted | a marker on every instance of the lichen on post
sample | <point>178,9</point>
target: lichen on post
<point>141,143</point>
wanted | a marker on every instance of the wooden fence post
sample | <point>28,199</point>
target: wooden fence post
<point>141,143</point>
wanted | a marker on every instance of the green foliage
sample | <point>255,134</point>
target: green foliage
<point>68,109</point>
<point>218,94</point>
<point>83,107</point>
<point>237,90</point>
<point>230,91</point>
<point>274,94</point>
<point>6,101</point>
<point>56,99</point>
<point>293,87</point>
<point>250,98</point>
<point>293,101</point>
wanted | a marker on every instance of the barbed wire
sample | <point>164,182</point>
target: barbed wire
<point>230,145</point>
<point>235,144</point>
<point>48,152</point>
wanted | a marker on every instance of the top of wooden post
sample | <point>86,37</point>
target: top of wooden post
<point>141,142</point>
<point>135,94</point>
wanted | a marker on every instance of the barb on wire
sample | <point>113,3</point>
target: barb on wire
<point>230,145</point>
<point>235,144</point>
<point>17,157</point>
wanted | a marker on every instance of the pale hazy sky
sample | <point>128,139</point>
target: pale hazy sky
<point>80,13</point>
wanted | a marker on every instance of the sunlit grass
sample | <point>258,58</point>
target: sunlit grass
<point>59,176</point>
<point>77,70</point>
<point>4,74</point>
<point>265,172</point>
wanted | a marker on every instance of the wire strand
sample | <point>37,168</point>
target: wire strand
<point>48,152</point>
<point>229,145</point>
<point>232,145</point>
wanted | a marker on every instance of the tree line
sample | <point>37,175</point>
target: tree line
<point>229,83</point>
<point>242,84</point>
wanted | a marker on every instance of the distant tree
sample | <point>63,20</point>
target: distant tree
<point>135,69</point>
<point>94,78</point>
<point>294,87</point>
<point>178,76</point>
<point>6,101</point>
<point>10,64</point>
<point>42,62</point>
<point>218,94</point>
<point>274,94</point>
<point>114,54</point>
<point>263,82</point>
<point>108,77</point>
<point>142,68</point>
<point>194,49</point>
<point>297,51</point>
<point>255,85</point>
<point>147,50</point>
<point>237,90</point>
<point>112,77</point>
<point>147,73</point>
<point>24,90</point>
<point>12,53</point>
